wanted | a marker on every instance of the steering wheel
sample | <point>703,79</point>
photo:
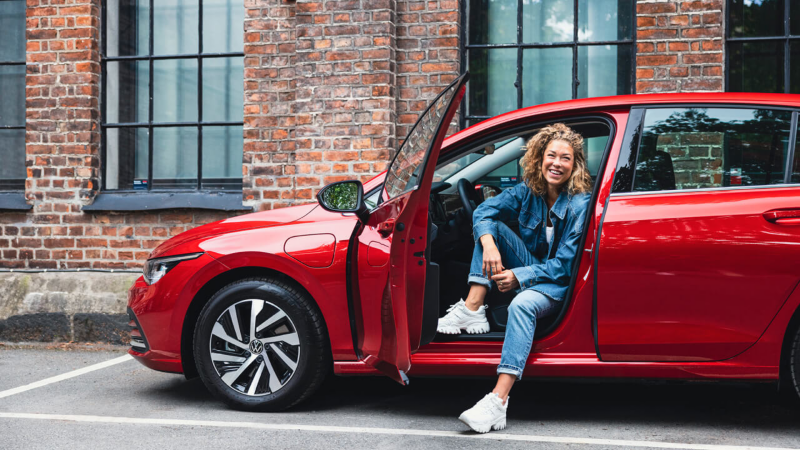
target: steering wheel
<point>469,197</point>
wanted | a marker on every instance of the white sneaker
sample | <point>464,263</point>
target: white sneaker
<point>459,318</point>
<point>488,414</point>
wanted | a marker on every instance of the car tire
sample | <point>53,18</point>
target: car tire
<point>285,362</point>
<point>790,385</point>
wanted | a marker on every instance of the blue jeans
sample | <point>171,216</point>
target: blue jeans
<point>528,306</point>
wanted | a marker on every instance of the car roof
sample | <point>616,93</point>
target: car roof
<point>618,102</point>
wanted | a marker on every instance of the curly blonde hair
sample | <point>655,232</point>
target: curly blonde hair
<point>580,180</point>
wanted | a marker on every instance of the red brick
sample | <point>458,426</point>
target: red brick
<point>656,60</point>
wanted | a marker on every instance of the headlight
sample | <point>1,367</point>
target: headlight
<point>156,268</point>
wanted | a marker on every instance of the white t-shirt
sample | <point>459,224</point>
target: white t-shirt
<point>549,232</point>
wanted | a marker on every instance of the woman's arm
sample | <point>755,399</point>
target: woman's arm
<point>557,270</point>
<point>503,207</point>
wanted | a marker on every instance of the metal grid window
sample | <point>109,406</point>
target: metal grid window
<point>763,40</point>
<point>12,86</point>
<point>527,52</point>
<point>173,92</point>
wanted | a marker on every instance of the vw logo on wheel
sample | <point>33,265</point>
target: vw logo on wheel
<point>256,346</point>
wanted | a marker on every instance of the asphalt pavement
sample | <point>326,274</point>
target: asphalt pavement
<point>87,397</point>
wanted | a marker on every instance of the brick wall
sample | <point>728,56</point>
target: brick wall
<point>679,46</point>
<point>62,135</point>
<point>331,85</point>
<point>428,56</point>
<point>696,158</point>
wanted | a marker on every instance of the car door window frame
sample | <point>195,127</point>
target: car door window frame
<point>631,146</point>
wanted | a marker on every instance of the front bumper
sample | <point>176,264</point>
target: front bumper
<point>156,312</point>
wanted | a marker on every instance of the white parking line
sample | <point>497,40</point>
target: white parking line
<point>65,376</point>
<point>384,431</point>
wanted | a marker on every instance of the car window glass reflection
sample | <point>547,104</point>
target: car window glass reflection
<point>698,148</point>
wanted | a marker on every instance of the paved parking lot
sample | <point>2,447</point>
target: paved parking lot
<point>114,402</point>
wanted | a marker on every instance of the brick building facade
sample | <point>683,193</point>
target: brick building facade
<point>330,87</point>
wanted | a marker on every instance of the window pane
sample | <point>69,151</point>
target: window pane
<point>222,157</point>
<point>756,18</point>
<point>12,153</point>
<point>493,21</point>
<point>755,66</point>
<point>126,158</point>
<point>126,91</point>
<point>175,24</point>
<point>604,70</point>
<point>222,26</point>
<point>12,30</point>
<point>605,20</point>
<point>223,89</point>
<point>796,164</point>
<point>175,90</point>
<point>12,95</point>
<point>404,172</point>
<point>548,21</point>
<point>505,176</point>
<point>175,157</point>
<point>127,27</point>
<point>691,148</point>
<point>546,75</point>
<point>794,16</point>
<point>794,62</point>
<point>593,148</point>
<point>492,76</point>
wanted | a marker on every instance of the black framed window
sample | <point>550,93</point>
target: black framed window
<point>522,53</point>
<point>763,46</point>
<point>12,87</point>
<point>173,92</point>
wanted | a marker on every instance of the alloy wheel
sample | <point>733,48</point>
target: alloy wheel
<point>254,347</point>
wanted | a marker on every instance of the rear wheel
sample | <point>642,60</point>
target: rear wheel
<point>792,386</point>
<point>260,345</point>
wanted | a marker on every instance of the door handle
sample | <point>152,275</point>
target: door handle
<point>386,227</point>
<point>783,216</point>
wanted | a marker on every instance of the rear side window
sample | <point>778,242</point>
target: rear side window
<point>697,148</point>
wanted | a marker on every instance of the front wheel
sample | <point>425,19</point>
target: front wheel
<point>260,345</point>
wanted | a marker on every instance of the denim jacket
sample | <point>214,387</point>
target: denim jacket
<point>551,277</point>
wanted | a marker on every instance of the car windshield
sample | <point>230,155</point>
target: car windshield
<point>447,171</point>
<point>403,174</point>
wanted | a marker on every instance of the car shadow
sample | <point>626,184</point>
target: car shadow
<point>752,406</point>
<point>696,404</point>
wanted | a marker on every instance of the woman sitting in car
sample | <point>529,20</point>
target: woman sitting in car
<point>551,207</point>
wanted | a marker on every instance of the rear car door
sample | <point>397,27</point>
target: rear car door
<point>699,241</point>
<point>389,290</point>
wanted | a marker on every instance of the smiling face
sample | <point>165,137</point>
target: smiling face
<point>557,163</point>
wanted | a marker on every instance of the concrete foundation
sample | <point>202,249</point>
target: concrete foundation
<point>64,307</point>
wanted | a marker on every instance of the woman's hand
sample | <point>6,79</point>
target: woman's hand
<point>492,263</point>
<point>506,281</point>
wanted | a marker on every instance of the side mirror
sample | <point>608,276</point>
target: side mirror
<point>344,197</point>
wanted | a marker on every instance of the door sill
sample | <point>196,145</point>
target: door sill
<point>491,336</point>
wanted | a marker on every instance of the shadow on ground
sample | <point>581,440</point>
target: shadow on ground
<point>705,405</point>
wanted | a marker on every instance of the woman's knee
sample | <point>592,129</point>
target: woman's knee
<point>529,303</point>
<point>519,307</point>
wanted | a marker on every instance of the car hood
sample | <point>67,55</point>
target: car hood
<point>261,219</point>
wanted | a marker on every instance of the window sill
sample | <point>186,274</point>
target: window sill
<point>14,201</point>
<point>155,201</point>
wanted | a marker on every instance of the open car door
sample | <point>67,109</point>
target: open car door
<point>389,287</point>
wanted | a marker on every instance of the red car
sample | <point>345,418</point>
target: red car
<point>685,270</point>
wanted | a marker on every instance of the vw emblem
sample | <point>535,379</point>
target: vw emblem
<point>256,346</point>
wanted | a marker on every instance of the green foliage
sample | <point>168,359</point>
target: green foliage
<point>343,196</point>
